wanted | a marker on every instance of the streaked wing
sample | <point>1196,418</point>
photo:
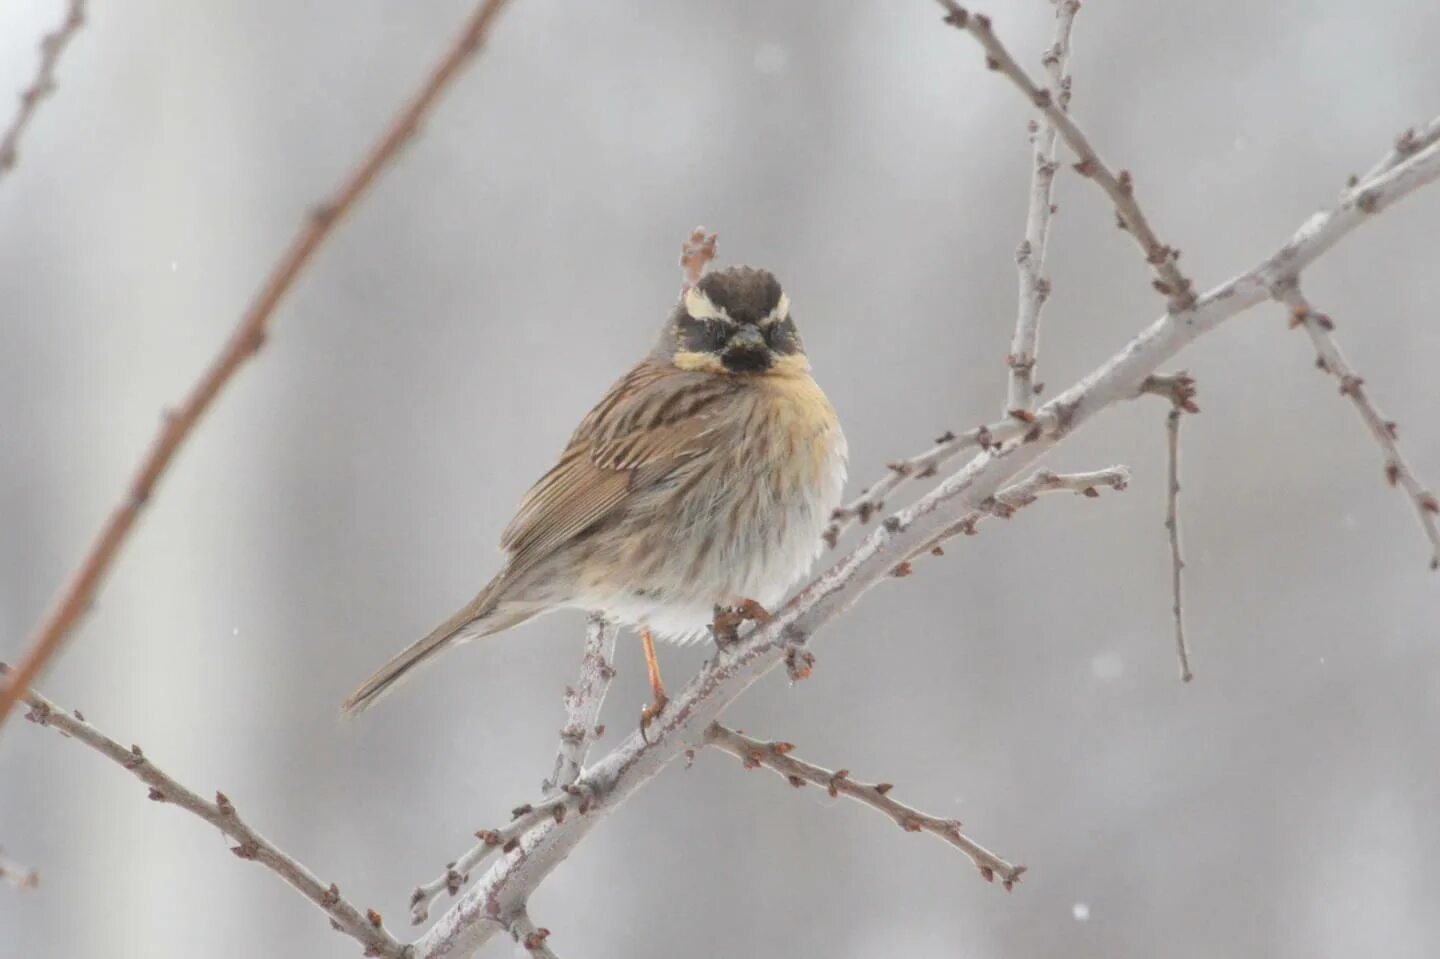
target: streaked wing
<point>653,421</point>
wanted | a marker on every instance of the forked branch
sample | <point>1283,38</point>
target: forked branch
<point>1030,256</point>
<point>582,703</point>
<point>1120,187</point>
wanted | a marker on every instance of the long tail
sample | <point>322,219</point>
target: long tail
<point>482,616</point>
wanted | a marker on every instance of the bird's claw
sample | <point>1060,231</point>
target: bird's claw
<point>648,714</point>
<point>725,627</point>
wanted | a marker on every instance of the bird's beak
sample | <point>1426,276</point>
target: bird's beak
<point>747,339</point>
<point>746,351</point>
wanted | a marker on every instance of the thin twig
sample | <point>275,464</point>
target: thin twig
<point>1010,500</point>
<point>1179,388</point>
<point>573,797</point>
<point>1177,289</point>
<point>1330,359</point>
<point>583,702</point>
<point>872,499</point>
<point>366,927</point>
<point>776,757</point>
<point>246,340</point>
<point>1172,525</point>
<point>535,940</point>
<point>1030,256</point>
<point>1410,142</point>
<point>17,875</point>
<point>52,45</point>
<point>696,254</point>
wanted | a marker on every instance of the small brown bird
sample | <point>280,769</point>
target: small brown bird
<point>704,478</point>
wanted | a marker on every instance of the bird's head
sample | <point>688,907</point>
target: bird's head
<point>734,321</point>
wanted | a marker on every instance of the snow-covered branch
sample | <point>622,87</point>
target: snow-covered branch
<point>1030,256</point>
<point>506,887</point>
<point>923,466</point>
<point>518,857</point>
<point>583,702</point>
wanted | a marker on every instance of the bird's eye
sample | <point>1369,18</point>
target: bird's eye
<point>780,335</point>
<point>717,334</point>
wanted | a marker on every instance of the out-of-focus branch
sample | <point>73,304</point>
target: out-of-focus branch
<point>1410,142</point>
<point>583,702</point>
<point>52,45</point>
<point>1030,257</point>
<point>1164,260</point>
<point>776,757</point>
<point>696,254</point>
<point>365,927</point>
<point>14,874</point>
<point>1328,358</point>
<point>507,885</point>
<point>245,341</point>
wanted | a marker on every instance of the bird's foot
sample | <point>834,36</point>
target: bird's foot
<point>648,714</point>
<point>728,619</point>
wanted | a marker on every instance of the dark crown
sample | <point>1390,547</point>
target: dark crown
<point>747,294</point>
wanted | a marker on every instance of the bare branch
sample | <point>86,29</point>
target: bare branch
<point>1172,526</point>
<point>1176,288</point>
<point>872,499</point>
<point>246,340</point>
<point>573,797</point>
<point>1008,501</point>
<point>14,874</point>
<point>52,45</point>
<point>509,882</point>
<point>776,757</point>
<point>1179,388</point>
<point>533,939</point>
<point>1329,359</point>
<point>696,254</point>
<point>1030,257</point>
<point>583,702</point>
<point>1407,144</point>
<point>365,927</point>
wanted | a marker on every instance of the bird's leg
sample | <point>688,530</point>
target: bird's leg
<point>657,685</point>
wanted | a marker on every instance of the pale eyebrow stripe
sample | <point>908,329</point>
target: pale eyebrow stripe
<point>781,311</point>
<point>700,306</point>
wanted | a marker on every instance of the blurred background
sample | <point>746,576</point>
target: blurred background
<point>349,491</point>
